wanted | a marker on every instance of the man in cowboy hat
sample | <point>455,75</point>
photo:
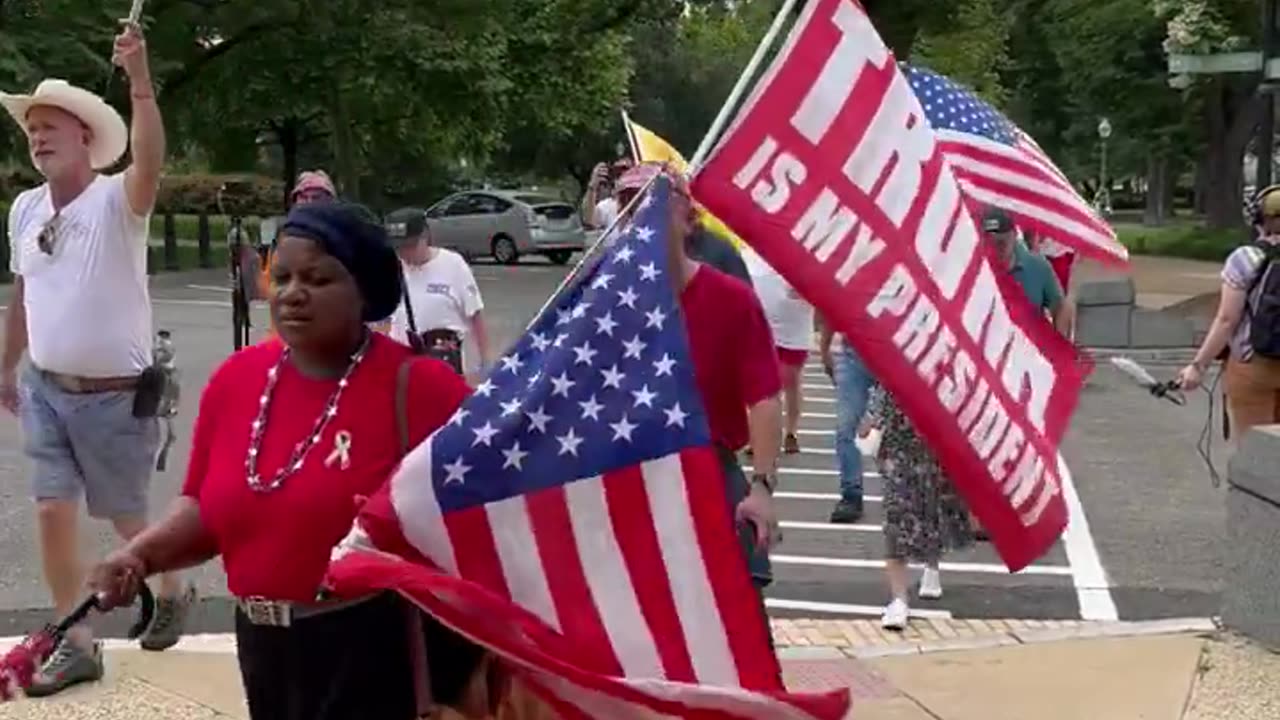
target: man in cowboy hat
<point>81,311</point>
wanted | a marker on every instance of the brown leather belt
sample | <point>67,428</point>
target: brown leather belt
<point>87,385</point>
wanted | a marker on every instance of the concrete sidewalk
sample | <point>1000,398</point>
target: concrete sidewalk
<point>1163,282</point>
<point>1122,672</point>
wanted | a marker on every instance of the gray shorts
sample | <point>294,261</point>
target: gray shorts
<point>88,444</point>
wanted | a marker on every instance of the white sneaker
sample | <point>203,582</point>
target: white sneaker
<point>930,584</point>
<point>895,615</point>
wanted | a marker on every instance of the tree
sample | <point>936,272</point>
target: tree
<point>68,39</point>
<point>901,22</point>
<point>973,49</point>
<point>394,97</point>
<point>686,67</point>
<point>1114,66</point>
<point>1230,103</point>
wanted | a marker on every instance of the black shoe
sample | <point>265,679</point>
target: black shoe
<point>847,512</point>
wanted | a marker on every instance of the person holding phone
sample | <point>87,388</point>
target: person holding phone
<point>81,312</point>
<point>600,206</point>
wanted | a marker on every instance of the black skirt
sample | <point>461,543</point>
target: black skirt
<point>356,663</point>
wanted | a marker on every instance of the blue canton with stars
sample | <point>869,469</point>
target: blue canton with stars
<point>602,381</point>
<point>950,106</point>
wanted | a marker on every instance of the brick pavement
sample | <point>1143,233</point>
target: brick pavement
<point>811,639</point>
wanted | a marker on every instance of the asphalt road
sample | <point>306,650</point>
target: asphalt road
<point>1155,521</point>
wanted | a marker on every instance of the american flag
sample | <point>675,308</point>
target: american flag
<point>998,164</point>
<point>572,516</point>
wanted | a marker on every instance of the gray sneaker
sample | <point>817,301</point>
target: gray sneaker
<point>170,620</point>
<point>69,665</point>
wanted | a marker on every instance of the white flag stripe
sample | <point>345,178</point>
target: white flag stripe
<point>1031,209</point>
<point>413,495</point>
<point>610,582</point>
<point>521,563</point>
<point>704,629</point>
<point>595,704</point>
<point>1014,179</point>
<point>1013,155</point>
<point>1054,177</point>
<point>992,198</point>
<point>736,702</point>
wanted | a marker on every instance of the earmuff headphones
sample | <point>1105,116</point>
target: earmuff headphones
<point>1259,199</point>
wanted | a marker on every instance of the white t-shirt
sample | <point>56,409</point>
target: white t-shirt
<point>606,212</point>
<point>790,317</point>
<point>444,295</point>
<point>87,303</point>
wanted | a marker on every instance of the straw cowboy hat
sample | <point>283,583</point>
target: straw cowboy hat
<point>109,137</point>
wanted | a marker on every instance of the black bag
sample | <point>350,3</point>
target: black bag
<point>440,343</point>
<point>1264,313</point>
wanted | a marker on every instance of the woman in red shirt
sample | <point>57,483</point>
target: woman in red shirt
<point>291,433</point>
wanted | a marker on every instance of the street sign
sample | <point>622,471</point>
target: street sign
<point>1238,62</point>
<point>1104,129</point>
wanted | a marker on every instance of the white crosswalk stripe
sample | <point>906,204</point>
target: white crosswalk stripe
<point>837,569</point>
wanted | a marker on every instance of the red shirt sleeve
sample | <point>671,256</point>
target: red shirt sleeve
<point>435,393</point>
<point>202,435</point>
<point>759,373</point>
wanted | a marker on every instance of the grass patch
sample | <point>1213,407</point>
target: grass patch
<point>1181,239</point>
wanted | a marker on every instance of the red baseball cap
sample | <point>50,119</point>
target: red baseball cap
<point>313,180</point>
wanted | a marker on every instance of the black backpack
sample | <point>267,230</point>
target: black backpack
<point>1264,313</point>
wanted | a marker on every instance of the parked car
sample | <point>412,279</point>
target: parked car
<point>507,224</point>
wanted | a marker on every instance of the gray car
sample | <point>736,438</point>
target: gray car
<point>506,225</point>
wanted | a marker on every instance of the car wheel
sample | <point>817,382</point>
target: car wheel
<point>559,257</point>
<point>504,250</point>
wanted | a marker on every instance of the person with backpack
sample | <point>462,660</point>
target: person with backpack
<point>1246,328</point>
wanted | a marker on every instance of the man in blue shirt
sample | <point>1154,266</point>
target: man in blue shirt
<point>1031,270</point>
<point>1034,274</point>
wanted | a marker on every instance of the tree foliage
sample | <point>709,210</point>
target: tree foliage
<point>403,99</point>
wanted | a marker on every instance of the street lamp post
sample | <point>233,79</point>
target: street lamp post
<point>1103,199</point>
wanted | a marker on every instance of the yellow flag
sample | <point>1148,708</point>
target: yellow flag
<point>649,147</point>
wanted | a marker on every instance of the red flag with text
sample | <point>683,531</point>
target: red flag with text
<point>832,172</point>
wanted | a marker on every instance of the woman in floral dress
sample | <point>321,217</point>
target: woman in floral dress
<point>924,516</point>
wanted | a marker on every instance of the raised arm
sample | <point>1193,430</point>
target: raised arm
<point>146,135</point>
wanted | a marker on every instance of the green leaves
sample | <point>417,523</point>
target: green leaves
<point>972,49</point>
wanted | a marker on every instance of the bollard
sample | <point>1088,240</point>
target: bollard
<point>170,243</point>
<point>206,251</point>
<point>1251,589</point>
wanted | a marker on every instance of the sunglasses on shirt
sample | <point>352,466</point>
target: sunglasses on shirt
<point>48,236</point>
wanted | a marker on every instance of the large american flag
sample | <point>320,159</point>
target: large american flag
<point>999,164</point>
<point>572,516</point>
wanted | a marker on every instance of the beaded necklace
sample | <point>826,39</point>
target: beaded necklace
<point>300,450</point>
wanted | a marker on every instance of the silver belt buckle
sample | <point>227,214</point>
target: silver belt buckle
<point>262,611</point>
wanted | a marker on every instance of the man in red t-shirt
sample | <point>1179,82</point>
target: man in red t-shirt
<point>736,369</point>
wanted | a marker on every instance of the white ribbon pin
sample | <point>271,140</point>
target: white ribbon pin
<point>341,450</point>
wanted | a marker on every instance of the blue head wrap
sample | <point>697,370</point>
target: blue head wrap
<point>355,238</point>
